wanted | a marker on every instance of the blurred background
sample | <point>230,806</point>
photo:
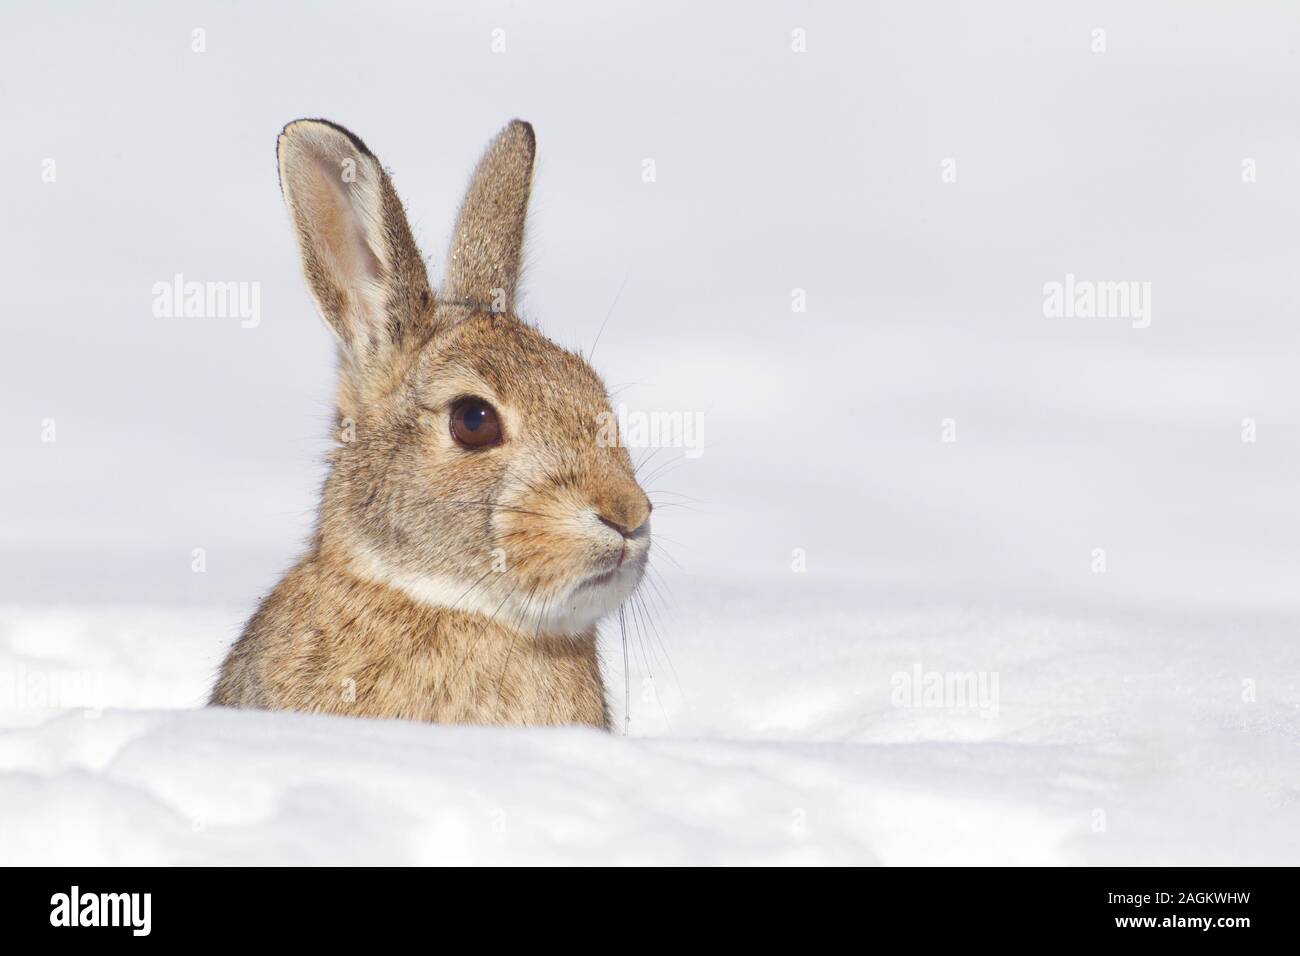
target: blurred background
<point>918,172</point>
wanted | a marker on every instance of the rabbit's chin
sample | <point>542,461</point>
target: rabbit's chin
<point>593,598</point>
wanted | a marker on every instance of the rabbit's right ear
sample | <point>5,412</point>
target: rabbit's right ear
<point>361,262</point>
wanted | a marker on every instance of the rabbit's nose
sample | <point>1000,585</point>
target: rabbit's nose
<point>626,512</point>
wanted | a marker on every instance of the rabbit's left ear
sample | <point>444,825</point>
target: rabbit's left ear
<point>486,247</point>
<point>361,262</point>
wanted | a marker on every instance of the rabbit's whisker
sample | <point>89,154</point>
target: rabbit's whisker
<point>495,507</point>
<point>627,674</point>
<point>637,600</point>
<point>661,548</point>
<point>541,617</point>
<point>491,619</point>
<point>617,296</point>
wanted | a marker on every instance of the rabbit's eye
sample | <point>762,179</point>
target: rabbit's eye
<point>474,423</point>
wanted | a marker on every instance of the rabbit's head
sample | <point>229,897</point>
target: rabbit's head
<point>476,466</point>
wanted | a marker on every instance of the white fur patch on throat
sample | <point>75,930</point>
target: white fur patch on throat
<point>574,615</point>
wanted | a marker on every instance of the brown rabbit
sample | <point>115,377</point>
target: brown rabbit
<point>474,526</point>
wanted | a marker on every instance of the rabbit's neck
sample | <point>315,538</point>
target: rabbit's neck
<point>328,640</point>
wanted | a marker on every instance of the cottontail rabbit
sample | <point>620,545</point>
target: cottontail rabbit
<point>473,527</point>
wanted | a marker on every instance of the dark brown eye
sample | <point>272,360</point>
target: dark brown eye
<point>474,423</point>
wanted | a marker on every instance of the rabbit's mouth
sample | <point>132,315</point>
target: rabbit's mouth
<point>598,594</point>
<point>626,569</point>
<point>601,579</point>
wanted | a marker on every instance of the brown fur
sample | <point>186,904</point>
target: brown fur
<point>330,643</point>
<point>442,584</point>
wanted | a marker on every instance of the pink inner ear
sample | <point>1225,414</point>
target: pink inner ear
<point>338,225</point>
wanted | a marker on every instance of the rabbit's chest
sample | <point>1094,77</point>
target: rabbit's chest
<point>478,676</point>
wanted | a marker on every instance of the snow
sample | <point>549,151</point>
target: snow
<point>758,736</point>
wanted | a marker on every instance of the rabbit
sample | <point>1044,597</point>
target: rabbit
<point>474,527</point>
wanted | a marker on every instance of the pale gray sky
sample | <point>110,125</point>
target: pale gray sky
<point>775,170</point>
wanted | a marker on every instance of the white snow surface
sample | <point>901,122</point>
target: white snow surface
<point>765,732</point>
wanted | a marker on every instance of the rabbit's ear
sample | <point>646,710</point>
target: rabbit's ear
<point>361,262</point>
<point>483,265</point>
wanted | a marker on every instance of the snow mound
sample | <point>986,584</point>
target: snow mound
<point>764,731</point>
